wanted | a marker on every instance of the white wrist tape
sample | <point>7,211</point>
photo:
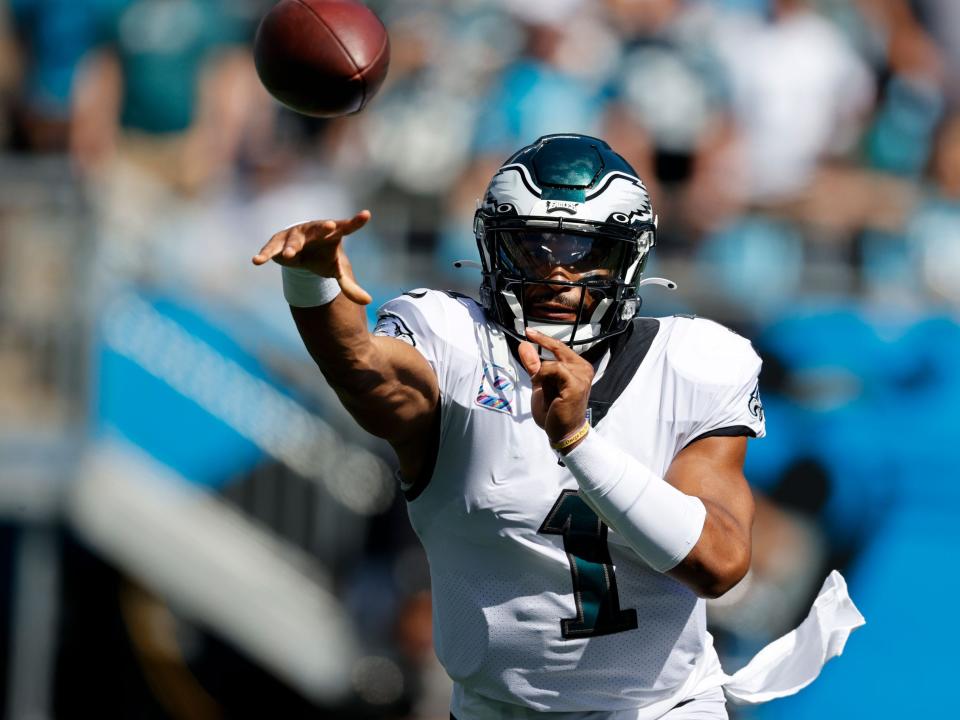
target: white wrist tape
<point>658,521</point>
<point>303,288</point>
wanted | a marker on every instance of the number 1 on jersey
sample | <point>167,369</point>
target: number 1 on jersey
<point>594,583</point>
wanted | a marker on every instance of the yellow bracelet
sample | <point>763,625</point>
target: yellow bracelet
<point>571,439</point>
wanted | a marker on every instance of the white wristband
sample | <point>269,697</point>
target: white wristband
<point>660,523</point>
<point>303,288</point>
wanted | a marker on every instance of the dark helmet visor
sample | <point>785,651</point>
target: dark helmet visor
<point>533,255</point>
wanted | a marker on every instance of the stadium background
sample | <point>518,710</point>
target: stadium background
<point>190,526</point>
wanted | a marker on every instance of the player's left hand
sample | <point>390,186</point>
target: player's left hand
<point>561,387</point>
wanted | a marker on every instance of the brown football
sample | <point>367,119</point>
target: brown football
<point>322,57</point>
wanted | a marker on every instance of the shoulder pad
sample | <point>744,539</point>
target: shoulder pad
<point>432,308</point>
<point>707,352</point>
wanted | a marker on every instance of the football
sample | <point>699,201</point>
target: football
<point>322,57</point>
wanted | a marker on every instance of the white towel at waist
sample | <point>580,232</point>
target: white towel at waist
<point>794,660</point>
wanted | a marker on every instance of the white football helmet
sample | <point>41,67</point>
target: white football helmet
<point>565,201</point>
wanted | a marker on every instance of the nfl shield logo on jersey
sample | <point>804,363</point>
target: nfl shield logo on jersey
<point>496,389</point>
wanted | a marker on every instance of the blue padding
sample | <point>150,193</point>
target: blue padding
<point>875,402</point>
<point>139,398</point>
<point>902,663</point>
<point>828,336</point>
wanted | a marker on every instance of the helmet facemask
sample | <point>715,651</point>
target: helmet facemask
<point>604,264</point>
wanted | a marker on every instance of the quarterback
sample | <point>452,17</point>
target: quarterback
<point>573,470</point>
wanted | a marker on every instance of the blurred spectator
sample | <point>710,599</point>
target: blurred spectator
<point>909,49</point>
<point>415,140</point>
<point>933,233</point>
<point>916,261</point>
<point>9,74</point>
<point>942,20</point>
<point>911,68</point>
<point>168,90</point>
<point>800,94</point>
<point>672,115</point>
<point>160,113</point>
<point>52,37</point>
<point>555,85</point>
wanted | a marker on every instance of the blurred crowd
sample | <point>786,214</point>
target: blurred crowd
<point>750,120</point>
<point>804,160</point>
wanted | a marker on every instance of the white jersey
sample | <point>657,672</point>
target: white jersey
<point>536,603</point>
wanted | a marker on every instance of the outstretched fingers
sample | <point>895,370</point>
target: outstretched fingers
<point>289,243</point>
<point>273,247</point>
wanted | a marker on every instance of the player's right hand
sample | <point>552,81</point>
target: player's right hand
<point>317,246</point>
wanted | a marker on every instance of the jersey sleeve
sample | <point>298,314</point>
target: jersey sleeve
<point>429,321</point>
<point>717,388</point>
<point>419,319</point>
